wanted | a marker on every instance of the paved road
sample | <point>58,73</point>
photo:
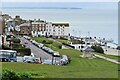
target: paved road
<point>108,59</point>
<point>35,50</point>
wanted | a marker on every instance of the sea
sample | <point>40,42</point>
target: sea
<point>100,23</point>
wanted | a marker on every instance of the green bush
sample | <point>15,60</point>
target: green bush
<point>98,49</point>
<point>47,42</point>
<point>11,75</point>
<point>23,51</point>
<point>5,47</point>
<point>15,40</point>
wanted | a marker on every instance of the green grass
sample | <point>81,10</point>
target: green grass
<point>52,44</point>
<point>109,56</point>
<point>40,39</point>
<point>78,68</point>
<point>64,41</point>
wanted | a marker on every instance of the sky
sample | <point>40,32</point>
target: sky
<point>85,5</point>
<point>59,0</point>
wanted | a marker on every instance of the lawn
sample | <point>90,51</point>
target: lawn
<point>78,68</point>
<point>64,41</point>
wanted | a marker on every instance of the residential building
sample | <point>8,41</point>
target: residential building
<point>2,26</point>
<point>49,29</point>
<point>60,29</point>
<point>38,28</point>
<point>25,29</point>
<point>2,31</point>
<point>6,17</point>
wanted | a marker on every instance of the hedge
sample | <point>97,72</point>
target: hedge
<point>98,49</point>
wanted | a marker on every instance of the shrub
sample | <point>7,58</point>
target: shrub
<point>23,51</point>
<point>5,47</point>
<point>15,40</point>
<point>98,49</point>
<point>11,75</point>
<point>47,42</point>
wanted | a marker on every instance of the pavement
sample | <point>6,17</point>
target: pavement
<point>108,59</point>
<point>38,53</point>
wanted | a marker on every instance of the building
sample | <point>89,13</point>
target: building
<point>49,29</point>
<point>10,24</point>
<point>25,29</point>
<point>88,52</point>
<point>6,17</point>
<point>38,28</point>
<point>2,32</point>
<point>60,29</point>
<point>43,28</point>
<point>2,25</point>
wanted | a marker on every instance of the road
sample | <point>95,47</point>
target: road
<point>35,50</point>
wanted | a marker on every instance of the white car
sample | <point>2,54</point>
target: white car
<point>40,45</point>
<point>56,62</point>
<point>29,59</point>
<point>20,59</point>
<point>55,53</point>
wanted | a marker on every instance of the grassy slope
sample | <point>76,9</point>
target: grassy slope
<point>78,68</point>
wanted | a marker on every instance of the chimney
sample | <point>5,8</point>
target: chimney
<point>34,20</point>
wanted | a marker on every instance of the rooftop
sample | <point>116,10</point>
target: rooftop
<point>61,24</point>
<point>25,24</point>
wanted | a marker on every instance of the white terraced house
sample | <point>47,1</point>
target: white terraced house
<point>44,28</point>
<point>38,28</point>
<point>60,29</point>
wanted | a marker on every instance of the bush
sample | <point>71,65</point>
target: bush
<point>11,75</point>
<point>98,49</point>
<point>23,51</point>
<point>5,47</point>
<point>15,40</point>
<point>47,42</point>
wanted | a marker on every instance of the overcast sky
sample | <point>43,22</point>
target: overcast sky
<point>59,0</point>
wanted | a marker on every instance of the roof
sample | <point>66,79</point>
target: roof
<point>88,49</point>
<point>7,51</point>
<point>25,24</point>
<point>61,24</point>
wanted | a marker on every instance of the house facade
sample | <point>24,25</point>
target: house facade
<point>60,29</point>
<point>25,28</point>
<point>38,28</point>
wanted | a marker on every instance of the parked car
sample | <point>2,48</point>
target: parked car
<point>45,48</point>
<point>50,51</point>
<point>40,45</point>
<point>29,59</point>
<point>20,59</point>
<point>56,62</point>
<point>64,60</point>
<point>56,54</point>
<point>38,60</point>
